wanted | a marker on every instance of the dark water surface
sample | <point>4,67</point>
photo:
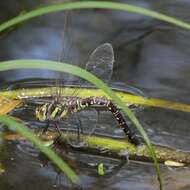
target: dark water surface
<point>149,54</point>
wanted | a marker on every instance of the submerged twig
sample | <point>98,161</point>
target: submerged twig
<point>113,147</point>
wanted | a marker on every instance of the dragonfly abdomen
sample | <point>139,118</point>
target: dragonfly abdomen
<point>122,122</point>
<point>118,116</point>
<point>56,111</point>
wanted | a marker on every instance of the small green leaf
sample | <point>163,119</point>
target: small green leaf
<point>101,169</point>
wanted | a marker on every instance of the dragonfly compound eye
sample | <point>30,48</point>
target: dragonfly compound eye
<point>41,112</point>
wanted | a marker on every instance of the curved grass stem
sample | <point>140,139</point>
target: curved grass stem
<point>12,124</point>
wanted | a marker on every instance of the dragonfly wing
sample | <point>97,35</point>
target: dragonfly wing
<point>101,61</point>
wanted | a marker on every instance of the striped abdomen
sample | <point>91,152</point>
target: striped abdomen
<point>58,111</point>
<point>118,116</point>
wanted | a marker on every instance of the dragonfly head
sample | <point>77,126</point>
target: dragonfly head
<point>41,112</point>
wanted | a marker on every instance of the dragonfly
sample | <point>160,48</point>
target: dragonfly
<point>100,63</point>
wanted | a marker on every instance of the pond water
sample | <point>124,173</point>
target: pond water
<point>150,55</point>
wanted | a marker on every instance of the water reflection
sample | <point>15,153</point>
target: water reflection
<point>150,54</point>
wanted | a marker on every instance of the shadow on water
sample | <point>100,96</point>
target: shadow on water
<point>149,54</point>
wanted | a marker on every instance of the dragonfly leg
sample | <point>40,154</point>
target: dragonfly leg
<point>46,128</point>
<point>58,138</point>
<point>79,126</point>
<point>97,121</point>
<point>57,127</point>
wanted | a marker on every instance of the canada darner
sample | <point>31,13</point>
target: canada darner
<point>100,64</point>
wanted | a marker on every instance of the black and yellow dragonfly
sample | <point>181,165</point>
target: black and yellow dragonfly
<point>100,63</point>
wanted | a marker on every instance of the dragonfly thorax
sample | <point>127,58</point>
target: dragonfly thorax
<point>53,111</point>
<point>41,112</point>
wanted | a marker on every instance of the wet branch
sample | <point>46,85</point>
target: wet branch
<point>112,147</point>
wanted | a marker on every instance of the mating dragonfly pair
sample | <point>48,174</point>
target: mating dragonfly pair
<point>100,63</point>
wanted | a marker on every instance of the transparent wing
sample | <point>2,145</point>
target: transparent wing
<point>65,55</point>
<point>101,61</point>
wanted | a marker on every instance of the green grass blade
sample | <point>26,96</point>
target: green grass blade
<point>63,67</point>
<point>93,4</point>
<point>12,124</point>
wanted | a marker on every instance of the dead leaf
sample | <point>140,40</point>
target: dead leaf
<point>7,105</point>
<point>173,163</point>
